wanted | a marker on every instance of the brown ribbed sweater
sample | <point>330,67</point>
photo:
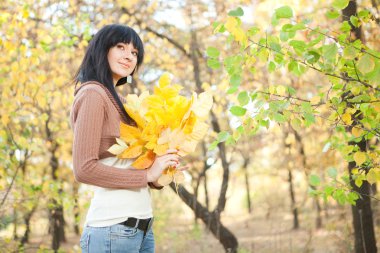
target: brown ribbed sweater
<point>96,123</point>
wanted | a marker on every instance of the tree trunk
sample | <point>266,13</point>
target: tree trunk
<point>247,189</point>
<point>293,203</point>
<point>56,219</point>
<point>318,220</point>
<point>15,221</point>
<point>365,241</point>
<point>301,150</point>
<point>293,200</point>
<point>27,218</point>
<point>210,219</point>
<point>207,202</point>
<point>76,209</point>
<point>201,176</point>
<point>57,226</point>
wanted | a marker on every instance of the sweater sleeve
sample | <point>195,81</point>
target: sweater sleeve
<point>88,114</point>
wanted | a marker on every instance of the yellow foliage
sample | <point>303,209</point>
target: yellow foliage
<point>145,160</point>
<point>165,120</point>
<point>281,90</point>
<point>357,132</point>
<point>232,25</point>
<point>360,158</point>
<point>346,117</point>
<point>376,106</point>
<point>315,100</point>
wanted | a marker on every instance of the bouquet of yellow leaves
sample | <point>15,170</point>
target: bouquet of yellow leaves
<point>165,120</point>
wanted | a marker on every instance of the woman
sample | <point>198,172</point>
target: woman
<point>120,215</point>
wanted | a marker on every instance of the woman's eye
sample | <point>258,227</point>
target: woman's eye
<point>135,53</point>
<point>120,47</point>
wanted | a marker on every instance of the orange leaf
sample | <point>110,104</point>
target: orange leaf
<point>132,152</point>
<point>145,160</point>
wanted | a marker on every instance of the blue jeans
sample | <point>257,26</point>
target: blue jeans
<point>116,239</point>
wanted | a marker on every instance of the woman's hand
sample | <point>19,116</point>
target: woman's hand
<point>171,158</point>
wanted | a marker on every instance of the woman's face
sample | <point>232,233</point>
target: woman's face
<point>122,59</point>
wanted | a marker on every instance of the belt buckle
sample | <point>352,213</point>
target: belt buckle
<point>137,223</point>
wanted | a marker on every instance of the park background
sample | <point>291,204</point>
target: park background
<point>290,162</point>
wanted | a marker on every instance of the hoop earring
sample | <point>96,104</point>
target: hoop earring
<point>129,79</point>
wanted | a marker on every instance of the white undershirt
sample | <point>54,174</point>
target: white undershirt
<point>112,206</point>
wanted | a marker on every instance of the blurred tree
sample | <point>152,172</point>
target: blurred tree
<point>365,240</point>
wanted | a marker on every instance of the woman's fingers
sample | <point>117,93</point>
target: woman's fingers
<point>171,158</point>
<point>183,168</point>
<point>172,151</point>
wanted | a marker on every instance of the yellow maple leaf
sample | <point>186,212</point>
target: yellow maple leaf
<point>135,115</point>
<point>164,79</point>
<point>132,151</point>
<point>199,130</point>
<point>129,133</point>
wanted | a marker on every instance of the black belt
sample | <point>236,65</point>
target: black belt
<point>142,224</point>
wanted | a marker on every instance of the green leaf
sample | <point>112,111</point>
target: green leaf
<point>297,27</point>
<point>236,13</point>
<point>271,66</point>
<point>287,27</point>
<point>312,56</point>
<point>232,89</point>
<point>243,98</point>
<point>314,180</point>
<point>284,12</point>
<point>333,14</point>
<point>358,182</point>
<point>235,80</point>
<point>240,129</point>
<point>264,123</point>
<point>263,54</point>
<point>345,27</point>
<point>291,91</point>
<point>366,64</point>
<point>363,14</point>
<point>340,4</point>
<point>332,172</point>
<point>330,51</point>
<point>280,118</point>
<point>238,110</point>
<point>309,118</point>
<point>284,36</point>
<point>252,31</point>
<point>329,190</point>
<point>212,52</point>
<point>354,21</point>
<point>275,46</point>
<point>274,20</point>
<point>296,123</point>
<point>213,145</point>
<point>352,197</point>
<point>306,107</point>
<point>213,63</point>
<point>349,53</point>
<point>222,136</point>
